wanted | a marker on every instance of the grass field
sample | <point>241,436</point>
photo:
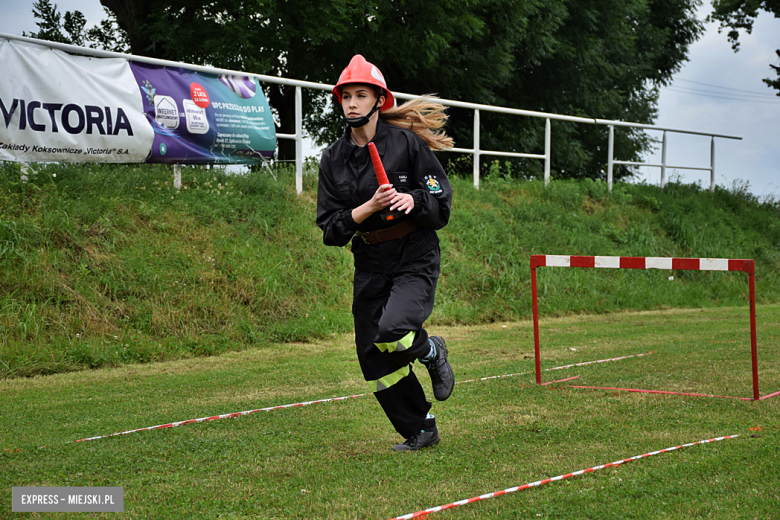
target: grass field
<point>332,460</point>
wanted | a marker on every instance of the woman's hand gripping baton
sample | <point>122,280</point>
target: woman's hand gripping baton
<point>381,178</point>
<point>379,168</point>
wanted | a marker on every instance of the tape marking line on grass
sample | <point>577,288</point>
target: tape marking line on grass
<point>218,417</point>
<point>557,368</point>
<point>307,403</point>
<point>561,380</point>
<point>436,509</point>
<point>665,392</point>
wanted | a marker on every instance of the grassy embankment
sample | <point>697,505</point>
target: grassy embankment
<point>107,265</point>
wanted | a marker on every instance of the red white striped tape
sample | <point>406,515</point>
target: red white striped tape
<point>560,380</point>
<point>556,368</point>
<point>598,361</point>
<point>769,395</point>
<point>218,417</point>
<point>644,262</point>
<point>637,390</point>
<point>436,509</point>
<point>307,403</point>
<point>665,392</point>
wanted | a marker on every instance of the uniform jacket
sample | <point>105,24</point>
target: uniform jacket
<point>347,180</point>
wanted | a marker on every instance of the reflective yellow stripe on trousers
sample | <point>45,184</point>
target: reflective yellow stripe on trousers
<point>389,380</point>
<point>397,346</point>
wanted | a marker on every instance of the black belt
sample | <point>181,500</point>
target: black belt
<point>385,235</point>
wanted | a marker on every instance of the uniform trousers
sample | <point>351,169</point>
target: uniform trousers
<point>389,311</point>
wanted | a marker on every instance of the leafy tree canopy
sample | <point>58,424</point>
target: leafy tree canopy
<point>740,14</point>
<point>71,28</point>
<point>596,58</point>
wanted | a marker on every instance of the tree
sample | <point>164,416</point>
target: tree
<point>52,26</point>
<point>597,58</point>
<point>295,39</point>
<point>740,14</point>
<point>606,59</point>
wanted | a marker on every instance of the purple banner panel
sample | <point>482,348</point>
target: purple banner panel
<point>204,118</point>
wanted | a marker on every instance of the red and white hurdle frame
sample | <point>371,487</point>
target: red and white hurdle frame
<point>632,262</point>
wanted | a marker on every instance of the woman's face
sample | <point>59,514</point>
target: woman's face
<point>357,100</point>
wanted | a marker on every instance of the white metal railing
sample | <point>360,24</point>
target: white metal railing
<point>476,151</point>
<point>663,164</point>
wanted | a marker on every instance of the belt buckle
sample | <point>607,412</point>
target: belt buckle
<point>363,236</point>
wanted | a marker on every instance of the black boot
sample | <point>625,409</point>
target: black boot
<point>428,436</point>
<point>442,378</point>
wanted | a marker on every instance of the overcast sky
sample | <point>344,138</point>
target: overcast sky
<point>716,91</point>
<point>720,91</point>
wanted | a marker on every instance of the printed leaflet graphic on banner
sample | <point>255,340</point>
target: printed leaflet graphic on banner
<point>204,118</point>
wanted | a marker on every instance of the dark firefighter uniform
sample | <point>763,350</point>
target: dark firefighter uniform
<point>395,280</point>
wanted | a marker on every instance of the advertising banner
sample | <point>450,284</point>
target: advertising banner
<point>64,108</point>
<point>204,118</point>
<point>57,107</point>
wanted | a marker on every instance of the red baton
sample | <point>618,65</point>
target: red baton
<point>381,176</point>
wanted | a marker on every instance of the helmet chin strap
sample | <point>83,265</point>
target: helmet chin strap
<point>357,122</point>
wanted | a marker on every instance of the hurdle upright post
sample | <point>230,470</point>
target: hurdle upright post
<point>750,267</point>
<point>537,362</point>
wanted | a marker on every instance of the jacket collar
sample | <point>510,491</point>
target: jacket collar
<point>379,140</point>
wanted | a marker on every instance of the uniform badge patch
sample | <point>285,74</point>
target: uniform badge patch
<point>432,184</point>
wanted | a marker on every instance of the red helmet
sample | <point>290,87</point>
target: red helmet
<point>361,71</point>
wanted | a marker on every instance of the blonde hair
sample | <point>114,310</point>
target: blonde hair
<point>423,116</point>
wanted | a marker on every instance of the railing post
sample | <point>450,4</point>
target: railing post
<point>610,151</point>
<point>547,146</point>
<point>298,140</point>
<point>663,161</point>
<point>476,149</point>
<point>712,164</point>
<point>25,170</point>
